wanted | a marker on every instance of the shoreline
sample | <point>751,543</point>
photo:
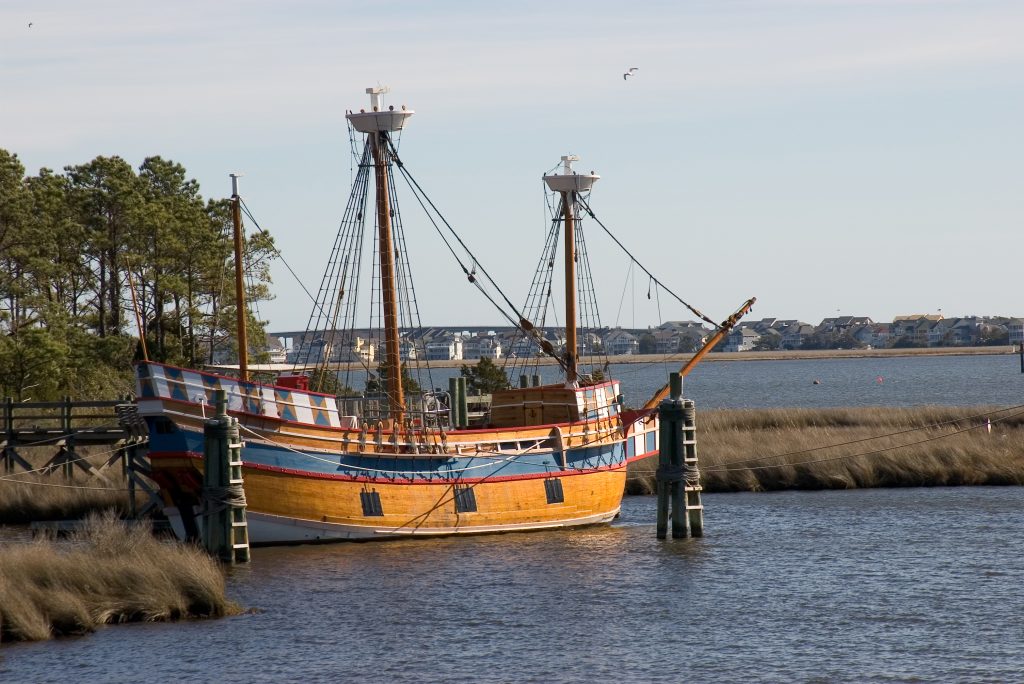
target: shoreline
<point>781,355</point>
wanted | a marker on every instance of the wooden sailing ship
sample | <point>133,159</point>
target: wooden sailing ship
<point>321,467</point>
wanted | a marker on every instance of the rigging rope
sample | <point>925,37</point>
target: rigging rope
<point>278,253</point>
<point>660,284</point>
<point>522,324</point>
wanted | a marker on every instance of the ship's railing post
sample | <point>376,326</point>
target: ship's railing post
<point>225,530</point>
<point>677,475</point>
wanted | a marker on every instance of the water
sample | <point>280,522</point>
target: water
<point>886,381</point>
<point>903,585</point>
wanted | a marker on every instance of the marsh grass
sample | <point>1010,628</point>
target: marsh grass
<point>109,572</point>
<point>27,497</point>
<point>775,449</point>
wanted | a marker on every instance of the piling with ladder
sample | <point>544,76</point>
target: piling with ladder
<point>225,530</point>
<point>678,477</point>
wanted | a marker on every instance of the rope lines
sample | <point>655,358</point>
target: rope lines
<point>660,284</point>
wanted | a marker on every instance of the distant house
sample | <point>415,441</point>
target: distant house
<point>481,348</point>
<point>793,336</point>
<point>524,348</point>
<point>619,342</point>
<point>914,328</point>
<point>676,336</point>
<point>444,350</point>
<point>875,335</point>
<point>407,350</point>
<point>1015,326</point>
<point>741,339</point>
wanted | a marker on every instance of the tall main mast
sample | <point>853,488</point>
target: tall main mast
<point>568,184</point>
<point>241,309</point>
<point>377,124</point>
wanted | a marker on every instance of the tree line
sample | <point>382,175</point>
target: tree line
<point>94,253</point>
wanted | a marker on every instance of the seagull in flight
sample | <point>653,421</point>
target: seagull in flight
<point>630,72</point>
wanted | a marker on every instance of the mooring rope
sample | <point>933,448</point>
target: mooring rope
<point>216,499</point>
<point>63,486</point>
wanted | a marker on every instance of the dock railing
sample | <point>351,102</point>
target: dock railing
<point>68,425</point>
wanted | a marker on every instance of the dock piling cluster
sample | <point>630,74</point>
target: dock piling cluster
<point>678,478</point>
<point>225,529</point>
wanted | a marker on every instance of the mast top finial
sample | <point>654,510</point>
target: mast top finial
<point>569,180</point>
<point>376,97</point>
<point>379,119</point>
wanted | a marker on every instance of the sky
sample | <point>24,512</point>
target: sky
<point>830,157</point>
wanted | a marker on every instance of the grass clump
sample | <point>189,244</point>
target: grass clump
<point>28,497</point>
<point>776,449</point>
<point>109,572</point>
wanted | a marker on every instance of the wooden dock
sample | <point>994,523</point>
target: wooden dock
<point>66,426</point>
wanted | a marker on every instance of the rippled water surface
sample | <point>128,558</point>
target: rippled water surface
<point>857,586</point>
<point>887,381</point>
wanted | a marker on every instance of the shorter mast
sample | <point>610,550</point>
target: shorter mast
<point>240,305</point>
<point>568,185</point>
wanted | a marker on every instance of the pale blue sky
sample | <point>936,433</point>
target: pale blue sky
<point>858,156</point>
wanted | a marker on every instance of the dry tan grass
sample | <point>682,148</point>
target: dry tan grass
<point>763,450</point>
<point>110,572</point>
<point>27,497</point>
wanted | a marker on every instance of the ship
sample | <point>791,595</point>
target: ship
<point>394,460</point>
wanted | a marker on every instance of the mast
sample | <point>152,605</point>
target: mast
<point>571,371</point>
<point>377,124</point>
<point>568,185</point>
<point>240,305</point>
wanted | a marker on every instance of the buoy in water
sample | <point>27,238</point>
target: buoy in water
<point>879,379</point>
<point>816,382</point>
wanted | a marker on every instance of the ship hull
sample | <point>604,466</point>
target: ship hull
<point>308,478</point>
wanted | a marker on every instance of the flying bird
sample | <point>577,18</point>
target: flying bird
<point>30,24</point>
<point>630,72</point>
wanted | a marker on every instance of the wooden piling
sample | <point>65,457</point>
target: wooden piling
<point>453,402</point>
<point>226,533</point>
<point>678,479</point>
<point>463,403</point>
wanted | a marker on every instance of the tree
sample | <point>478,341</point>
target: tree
<point>993,335</point>
<point>484,378</point>
<point>648,343</point>
<point>108,196</point>
<point>31,365</point>
<point>377,384</point>
<point>327,381</point>
<point>688,344</point>
<point>767,343</point>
